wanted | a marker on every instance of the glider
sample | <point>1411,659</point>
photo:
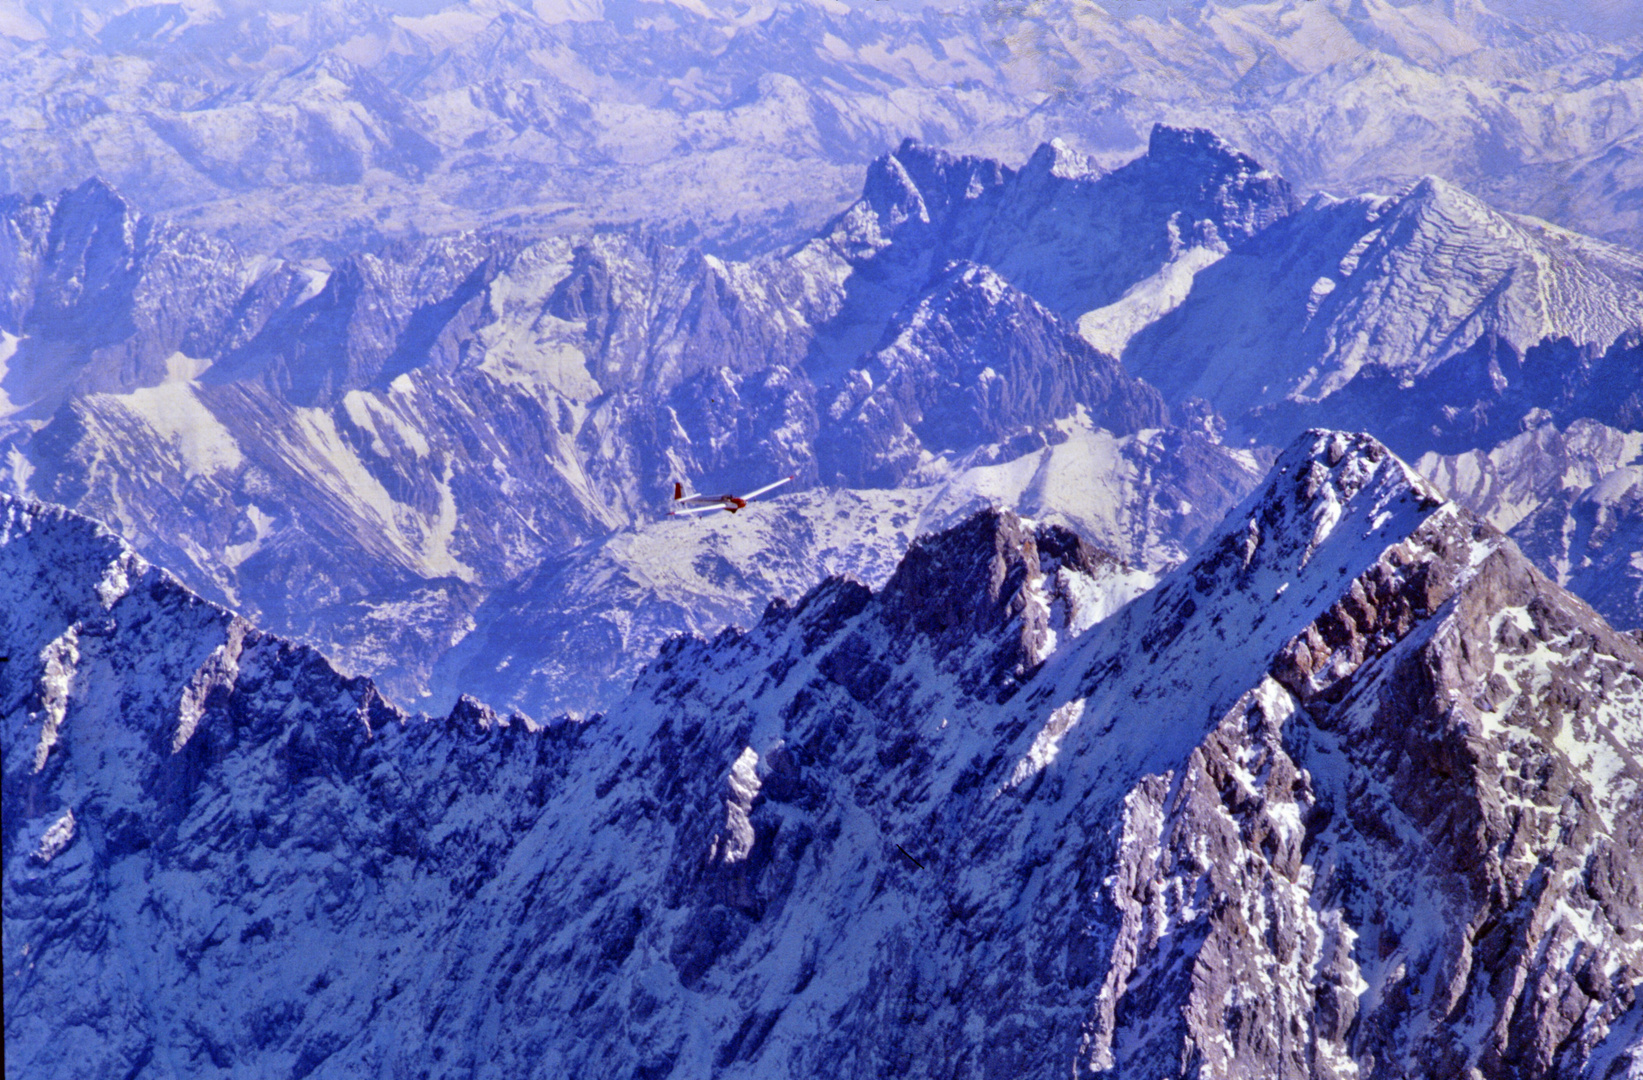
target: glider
<point>702,504</point>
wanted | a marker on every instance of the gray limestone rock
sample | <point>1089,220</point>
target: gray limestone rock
<point>1354,791</point>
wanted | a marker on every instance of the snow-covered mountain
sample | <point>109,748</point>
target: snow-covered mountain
<point>1393,308</point>
<point>359,453</point>
<point>1354,790</point>
<point>320,127</point>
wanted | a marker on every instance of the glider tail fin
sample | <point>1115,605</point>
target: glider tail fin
<point>678,491</point>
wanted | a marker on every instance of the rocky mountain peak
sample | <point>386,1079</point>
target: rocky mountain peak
<point>1397,643</point>
<point>89,252</point>
<point>1339,522</point>
<point>95,199</point>
<point>1056,159</point>
<point>972,360</point>
<point>1169,145</point>
<point>1435,207</point>
<point>1350,270</point>
<point>1432,190</point>
<point>1215,182</point>
<point>1332,505</point>
<point>1360,800</point>
<point>969,580</point>
<point>925,184</point>
<point>1330,480</point>
<point>991,573</point>
<point>947,179</point>
<point>103,296</point>
<point>78,598</point>
<point>985,602</point>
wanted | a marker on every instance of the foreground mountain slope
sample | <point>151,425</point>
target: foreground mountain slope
<point>113,663</point>
<point>1353,792</point>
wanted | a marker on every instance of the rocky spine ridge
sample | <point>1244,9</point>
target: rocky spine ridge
<point>1353,792</point>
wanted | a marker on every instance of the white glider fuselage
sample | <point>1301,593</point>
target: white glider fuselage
<point>703,504</point>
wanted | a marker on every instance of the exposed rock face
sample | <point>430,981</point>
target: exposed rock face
<point>973,361</point>
<point>111,660</point>
<point>1353,792</point>
<point>375,317</point>
<point>1031,588</point>
<point>104,296</point>
<point>1569,498</point>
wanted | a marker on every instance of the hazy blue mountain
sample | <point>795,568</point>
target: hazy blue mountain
<point>316,128</point>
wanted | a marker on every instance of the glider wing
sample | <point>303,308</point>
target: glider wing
<point>767,487</point>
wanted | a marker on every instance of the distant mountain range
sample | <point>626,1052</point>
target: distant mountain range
<point>1352,790</point>
<point>319,129</point>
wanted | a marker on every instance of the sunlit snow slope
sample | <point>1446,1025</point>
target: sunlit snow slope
<point>573,633</point>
